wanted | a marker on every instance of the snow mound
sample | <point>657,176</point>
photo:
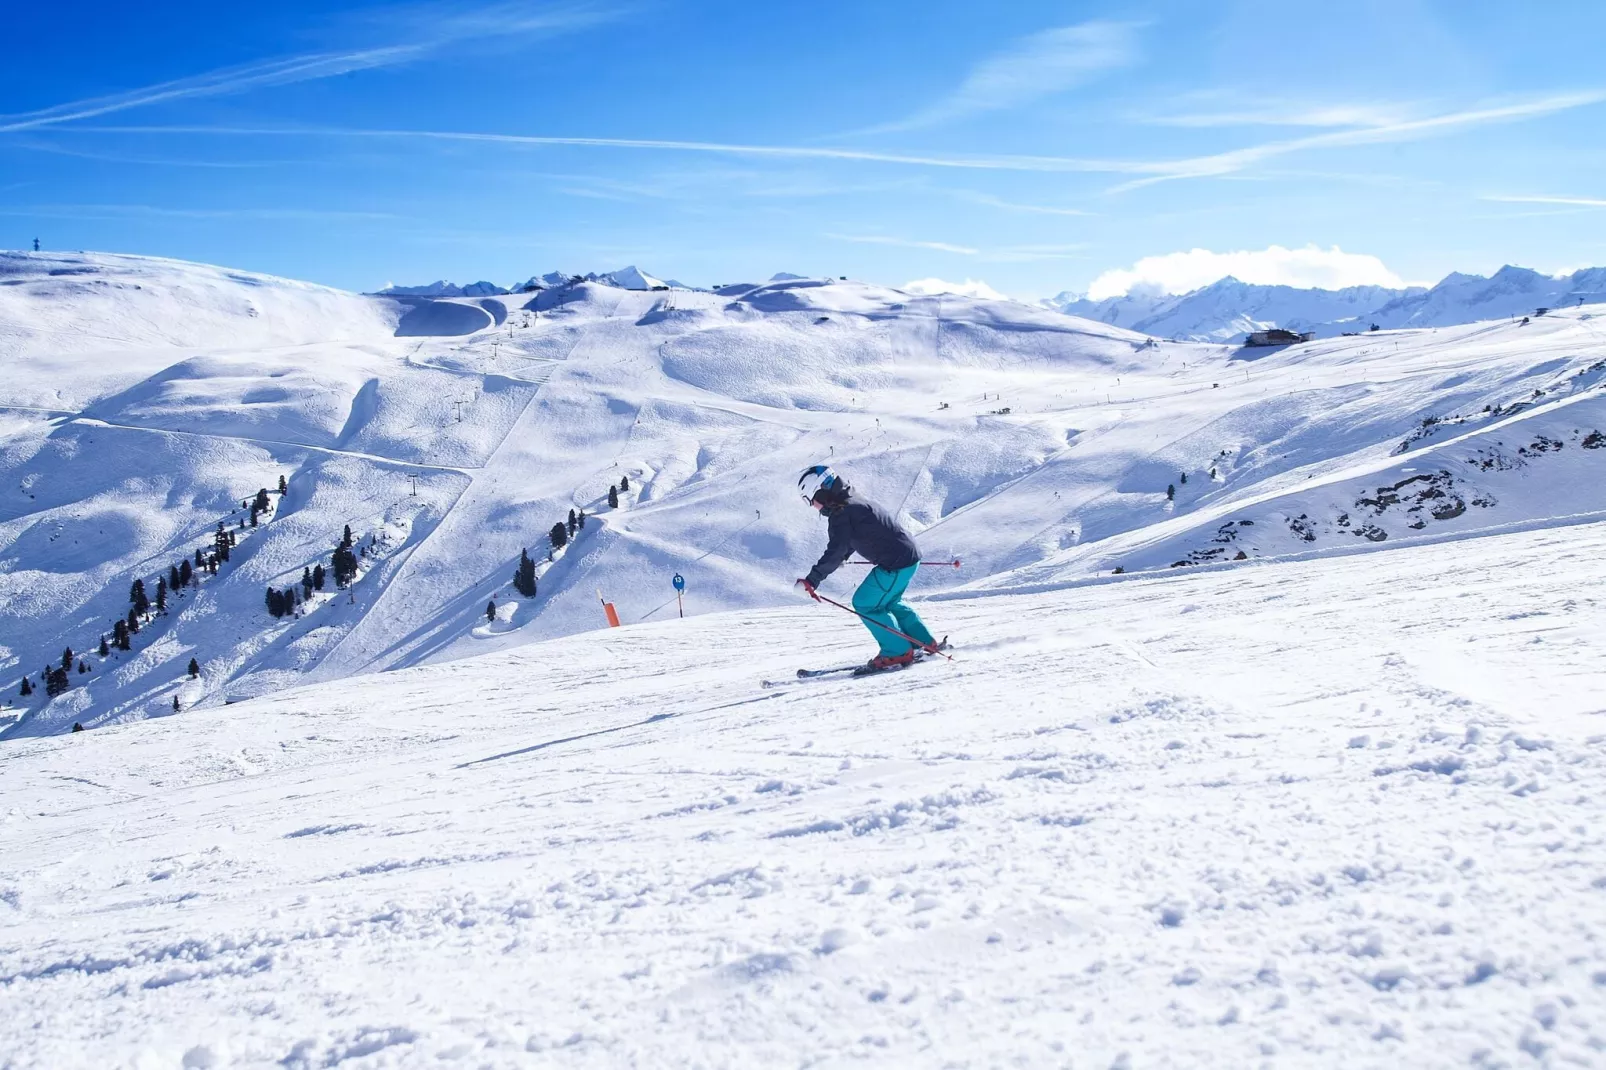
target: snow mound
<point>437,318</point>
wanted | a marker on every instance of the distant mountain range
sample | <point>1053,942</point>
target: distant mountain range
<point>626,278</point>
<point>1226,311</point>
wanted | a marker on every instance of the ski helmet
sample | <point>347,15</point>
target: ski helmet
<point>815,479</point>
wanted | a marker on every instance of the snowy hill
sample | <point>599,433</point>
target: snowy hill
<point>1334,812</point>
<point>1272,729</point>
<point>1227,310</point>
<point>450,434</point>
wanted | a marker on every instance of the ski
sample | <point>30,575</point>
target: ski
<point>813,674</point>
<point>857,670</point>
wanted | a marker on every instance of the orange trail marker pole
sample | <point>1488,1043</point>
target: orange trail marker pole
<point>608,610</point>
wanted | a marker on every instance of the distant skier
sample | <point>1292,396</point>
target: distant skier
<point>858,525</point>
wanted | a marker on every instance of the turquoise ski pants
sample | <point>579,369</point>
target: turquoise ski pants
<point>880,599</point>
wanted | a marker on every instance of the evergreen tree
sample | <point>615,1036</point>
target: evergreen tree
<point>76,727</point>
<point>27,688</point>
<point>559,536</point>
<point>345,565</point>
<point>253,519</point>
<point>490,612</point>
<point>524,578</point>
<point>133,622</point>
<point>282,487</point>
<point>82,667</point>
<point>345,540</point>
<point>613,497</point>
<point>317,577</point>
<point>136,595</point>
<point>259,504</point>
<point>200,561</point>
<point>174,580</point>
<point>1184,477</point>
<point>175,703</point>
<point>57,682</point>
<point>120,634</point>
<point>306,582</point>
<point>195,668</point>
<point>624,483</point>
<point>104,649</point>
<point>220,544</point>
<point>571,521</point>
<point>66,658</point>
<point>1170,492</point>
<point>582,518</point>
<point>186,574</point>
<point>161,594</point>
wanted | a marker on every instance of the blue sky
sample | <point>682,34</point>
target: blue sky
<point>1033,146</point>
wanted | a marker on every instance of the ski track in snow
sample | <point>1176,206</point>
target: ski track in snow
<point>1343,811</point>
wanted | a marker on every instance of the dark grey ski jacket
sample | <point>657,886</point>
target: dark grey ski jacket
<point>861,526</point>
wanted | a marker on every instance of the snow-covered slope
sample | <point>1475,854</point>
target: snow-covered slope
<point>1227,310</point>
<point>1343,812</point>
<point>449,434</point>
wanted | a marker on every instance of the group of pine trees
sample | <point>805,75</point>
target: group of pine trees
<point>142,605</point>
<point>282,602</point>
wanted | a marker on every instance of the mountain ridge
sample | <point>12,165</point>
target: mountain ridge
<point>1227,310</point>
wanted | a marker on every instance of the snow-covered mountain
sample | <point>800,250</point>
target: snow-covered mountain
<point>626,278</point>
<point>1228,310</point>
<point>1272,729</point>
<point>443,288</point>
<point>451,433</point>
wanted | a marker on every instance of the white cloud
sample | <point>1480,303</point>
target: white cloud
<point>447,27</point>
<point>1307,268</point>
<point>968,288</point>
<point>1538,198</point>
<point>905,243</point>
<point>1290,115</point>
<point>1037,66</point>
<point>1225,163</point>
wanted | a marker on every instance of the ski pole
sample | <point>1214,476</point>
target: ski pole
<point>871,620</point>
<point>947,564</point>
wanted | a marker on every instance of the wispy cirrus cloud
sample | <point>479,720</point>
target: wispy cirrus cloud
<point>1151,171</point>
<point>451,25</point>
<point>1015,206</point>
<point>123,211</point>
<point>905,243</point>
<point>977,162</point>
<point>1540,198</point>
<point>1005,255</point>
<point>1035,67</point>
<point>1406,130</point>
<point>1314,115</point>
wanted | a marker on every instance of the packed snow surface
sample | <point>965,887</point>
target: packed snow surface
<point>1337,812</point>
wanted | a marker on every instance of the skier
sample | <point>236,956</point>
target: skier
<point>858,525</point>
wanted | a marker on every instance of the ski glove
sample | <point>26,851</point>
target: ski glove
<point>808,589</point>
